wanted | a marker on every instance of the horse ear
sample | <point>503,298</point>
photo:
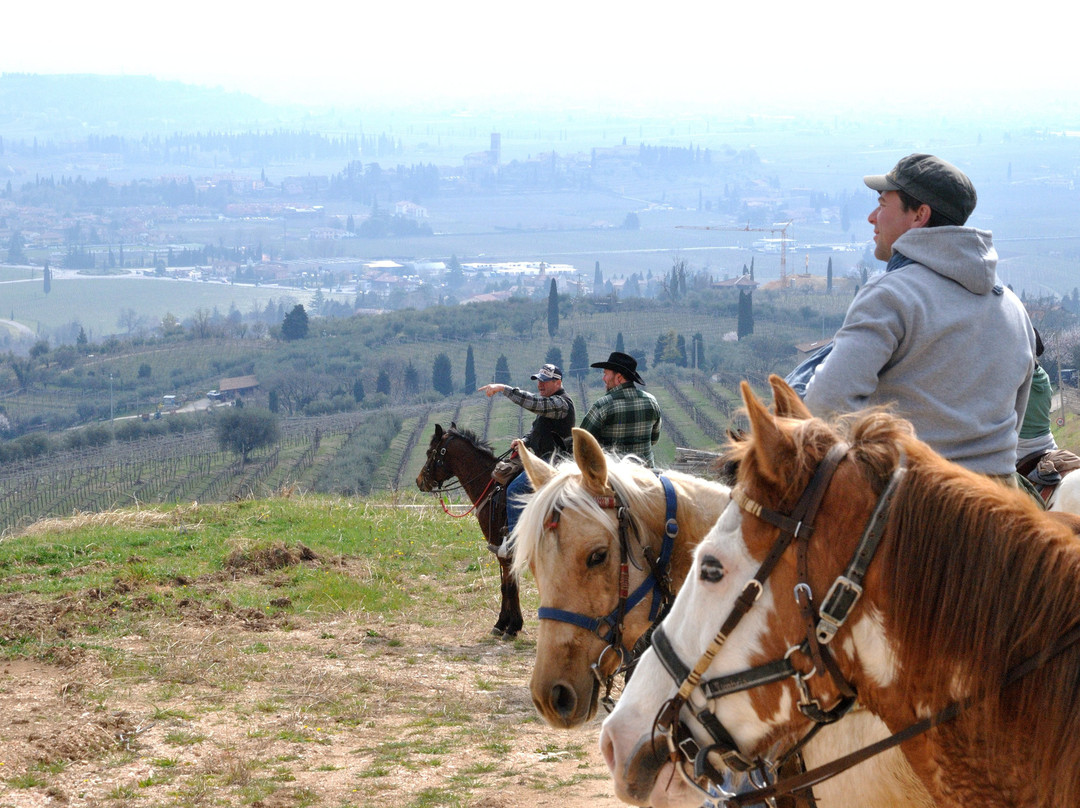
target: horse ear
<point>768,442</point>
<point>438,431</point>
<point>786,401</point>
<point>537,468</point>
<point>590,460</point>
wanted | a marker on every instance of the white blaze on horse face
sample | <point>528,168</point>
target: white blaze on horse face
<point>697,613</point>
<point>707,604</point>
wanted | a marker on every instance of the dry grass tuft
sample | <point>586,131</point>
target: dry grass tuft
<point>139,518</point>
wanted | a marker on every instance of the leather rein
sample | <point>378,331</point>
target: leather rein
<point>609,627</point>
<point>437,459</point>
<point>822,625</point>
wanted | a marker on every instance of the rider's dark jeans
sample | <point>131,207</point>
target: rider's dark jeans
<point>516,488</point>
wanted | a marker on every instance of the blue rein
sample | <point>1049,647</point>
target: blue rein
<point>651,583</point>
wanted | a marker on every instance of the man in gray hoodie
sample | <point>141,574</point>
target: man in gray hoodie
<point>937,336</point>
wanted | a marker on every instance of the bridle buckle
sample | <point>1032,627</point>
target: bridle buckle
<point>839,601</point>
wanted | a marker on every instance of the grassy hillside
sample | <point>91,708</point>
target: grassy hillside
<point>279,652</point>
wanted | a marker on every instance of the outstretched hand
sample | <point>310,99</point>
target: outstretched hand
<point>491,389</point>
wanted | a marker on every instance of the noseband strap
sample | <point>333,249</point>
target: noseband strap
<point>610,626</point>
<point>799,524</point>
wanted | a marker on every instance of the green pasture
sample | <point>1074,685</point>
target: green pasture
<point>163,552</point>
<point>96,302</point>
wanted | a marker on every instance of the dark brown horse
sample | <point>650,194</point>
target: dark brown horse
<point>460,453</point>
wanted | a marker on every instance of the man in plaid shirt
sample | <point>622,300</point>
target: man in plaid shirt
<point>551,432</point>
<point>624,420</point>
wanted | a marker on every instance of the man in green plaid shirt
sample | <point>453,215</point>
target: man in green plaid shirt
<point>625,420</point>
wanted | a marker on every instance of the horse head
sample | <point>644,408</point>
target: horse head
<point>457,453</point>
<point>733,617</point>
<point>591,521</point>
<point>435,471</point>
<point>786,584</point>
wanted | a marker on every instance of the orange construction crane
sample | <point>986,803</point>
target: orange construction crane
<point>779,227</point>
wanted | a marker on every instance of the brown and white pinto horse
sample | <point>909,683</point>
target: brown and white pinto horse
<point>460,453</point>
<point>970,583</point>
<point>575,559</point>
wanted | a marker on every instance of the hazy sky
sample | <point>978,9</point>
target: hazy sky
<point>854,55</point>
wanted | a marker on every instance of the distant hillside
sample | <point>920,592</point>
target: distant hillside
<point>55,106</point>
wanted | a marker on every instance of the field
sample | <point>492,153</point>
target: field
<point>96,302</point>
<point>279,652</point>
<point>189,467</point>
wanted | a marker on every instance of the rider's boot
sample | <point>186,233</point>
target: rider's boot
<point>502,549</point>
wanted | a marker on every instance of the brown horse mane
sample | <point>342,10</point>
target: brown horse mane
<point>474,439</point>
<point>978,579</point>
<point>979,570</point>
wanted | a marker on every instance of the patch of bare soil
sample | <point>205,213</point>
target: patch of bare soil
<point>220,708</point>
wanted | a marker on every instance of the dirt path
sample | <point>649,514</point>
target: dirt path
<point>230,708</point>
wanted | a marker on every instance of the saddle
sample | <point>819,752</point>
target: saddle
<point>1044,470</point>
<point>507,469</point>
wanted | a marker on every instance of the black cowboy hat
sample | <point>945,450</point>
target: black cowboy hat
<point>621,363</point>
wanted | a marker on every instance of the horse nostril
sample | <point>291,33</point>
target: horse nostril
<point>564,700</point>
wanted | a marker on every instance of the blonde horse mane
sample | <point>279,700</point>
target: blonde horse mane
<point>637,487</point>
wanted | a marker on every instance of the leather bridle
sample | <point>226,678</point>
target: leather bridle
<point>609,627</point>
<point>822,625</point>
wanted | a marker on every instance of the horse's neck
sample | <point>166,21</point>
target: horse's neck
<point>475,478</point>
<point>697,513</point>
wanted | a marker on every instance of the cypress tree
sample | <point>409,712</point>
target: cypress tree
<point>579,357</point>
<point>502,371</point>
<point>441,378</point>
<point>553,309</point>
<point>746,314</point>
<point>470,371</point>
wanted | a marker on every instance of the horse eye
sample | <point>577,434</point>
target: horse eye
<point>596,558</point>
<point>711,569</point>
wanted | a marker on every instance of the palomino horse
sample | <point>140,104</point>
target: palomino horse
<point>460,453</point>
<point>591,520</point>
<point>570,536</point>
<point>851,551</point>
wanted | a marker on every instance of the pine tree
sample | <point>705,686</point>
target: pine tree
<point>470,372</point>
<point>441,378</point>
<point>619,343</point>
<point>382,383</point>
<point>358,390</point>
<point>295,324</point>
<point>553,309</point>
<point>47,276</point>
<point>680,350</point>
<point>828,277</point>
<point>598,280</point>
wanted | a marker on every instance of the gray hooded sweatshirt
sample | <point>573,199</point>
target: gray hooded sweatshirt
<point>939,339</point>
